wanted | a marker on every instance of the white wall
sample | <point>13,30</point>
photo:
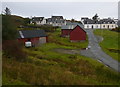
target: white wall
<point>108,26</point>
<point>96,26</point>
<point>99,26</point>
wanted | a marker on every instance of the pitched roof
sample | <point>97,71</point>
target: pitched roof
<point>80,28</point>
<point>102,21</point>
<point>37,18</point>
<point>31,33</point>
<point>90,21</point>
<point>68,26</point>
<point>71,25</point>
<point>53,20</point>
<point>57,17</point>
<point>107,21</point>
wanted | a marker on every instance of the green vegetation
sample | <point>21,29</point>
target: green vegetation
<point>110,42</point>
<point>65,41</point>
<point>9,31</point>
<point>44,66</point>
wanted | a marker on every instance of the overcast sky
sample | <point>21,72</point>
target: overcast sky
<point>69,9</point>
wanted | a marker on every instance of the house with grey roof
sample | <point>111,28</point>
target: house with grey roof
<point>38,20</point>
<point>107,23</point>
<point>56,21</point>
<point>99,24</point>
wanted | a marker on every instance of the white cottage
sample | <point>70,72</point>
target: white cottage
<point>56,21</point>
<point>38,20</point>
<point>98,24</point>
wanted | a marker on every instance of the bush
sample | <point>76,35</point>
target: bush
<point>13,49</point>
<point>116,29</point>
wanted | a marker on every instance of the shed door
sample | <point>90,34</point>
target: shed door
<point>42,40</point>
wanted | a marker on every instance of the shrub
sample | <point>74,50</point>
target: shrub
<point>116,29</point>
<point>11,48</point>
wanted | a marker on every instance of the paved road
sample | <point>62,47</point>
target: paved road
<point>99,54</point>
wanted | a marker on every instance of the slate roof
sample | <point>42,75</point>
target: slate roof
<point>37,19</point>
<point>107,21</point>
<point>57,17</point>
<point>90,21</point>
<point>31,33</point>
<point>102,21</point>
<point>71,25</point>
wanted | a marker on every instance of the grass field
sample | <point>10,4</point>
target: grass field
<point>43,66</point>
<point>110,42</point>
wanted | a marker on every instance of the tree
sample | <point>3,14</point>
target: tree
<point>9,31</point>
<point>72,20</point>
<point>95,17</point>
<point>10,45</point>
<point>7,11</point>
<point>26,21</point>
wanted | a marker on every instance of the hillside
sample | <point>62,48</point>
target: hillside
<point>110,42</point>
<point>45,66</point>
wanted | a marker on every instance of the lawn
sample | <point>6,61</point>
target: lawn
<point>44,66</point>
<point>110,42</point>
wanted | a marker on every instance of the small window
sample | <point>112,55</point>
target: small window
<point>87,26</point>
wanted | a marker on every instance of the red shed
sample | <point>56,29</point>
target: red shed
<point>77,34</point>
<point>66,29</point>
<point>36,37</point>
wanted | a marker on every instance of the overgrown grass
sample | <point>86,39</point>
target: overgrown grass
<point>65,41</point>
<point>110,42</point>
<point>46,67</point>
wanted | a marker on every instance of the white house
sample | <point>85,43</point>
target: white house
<point>98,24</point>
<point>108,23</point>
<point>38,20</point>
<point>56,21</point>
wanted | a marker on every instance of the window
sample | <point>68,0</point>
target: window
<point>87,26</point>
<point>92,26</point>
<point>103,25</point>
<point>96,26</point>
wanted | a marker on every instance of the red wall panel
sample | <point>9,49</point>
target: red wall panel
<point>34,41</point>
<point>65,32</point>
<point>78,34</point>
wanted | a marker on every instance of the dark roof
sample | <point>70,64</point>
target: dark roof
<point>31,33</point>
<point>57,17</point>
<point>107,21</point>
<point>102,21</point>
<point>84,18</point>
<point>90,21</point>
<point>53,20</point>
<point>37,18</point>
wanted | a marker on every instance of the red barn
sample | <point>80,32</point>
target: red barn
<point>36,37</point>
<point>77,34</point>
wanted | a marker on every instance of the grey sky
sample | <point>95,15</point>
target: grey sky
<point>69,10</point>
